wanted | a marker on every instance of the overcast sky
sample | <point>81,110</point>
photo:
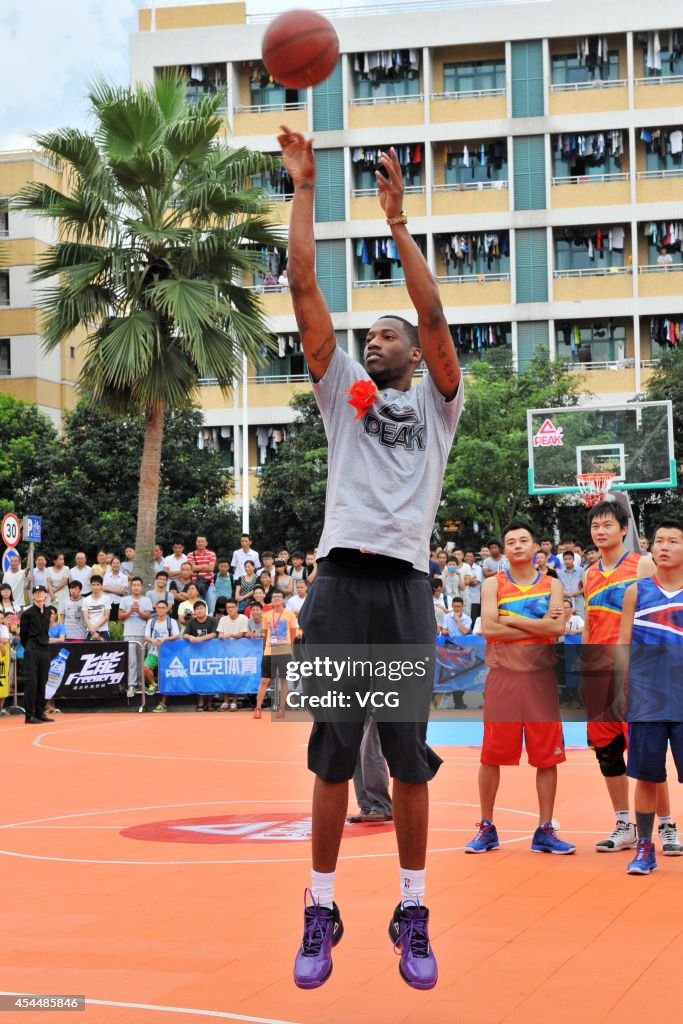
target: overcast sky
<point>51,50</point>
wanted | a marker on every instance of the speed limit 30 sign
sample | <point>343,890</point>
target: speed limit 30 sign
<point>11,530</point>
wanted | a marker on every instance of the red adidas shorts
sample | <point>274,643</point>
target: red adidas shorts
<point>601,734</point>
<point>522,708</point>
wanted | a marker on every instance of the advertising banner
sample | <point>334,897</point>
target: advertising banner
<point>213,666</point>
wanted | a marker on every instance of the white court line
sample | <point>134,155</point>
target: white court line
<point>220,1014</point>
<point>250,860</point>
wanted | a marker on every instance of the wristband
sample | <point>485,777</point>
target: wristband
<point>402,218</point>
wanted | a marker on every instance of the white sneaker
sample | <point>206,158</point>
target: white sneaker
<point>233,706</point>
<point>624,837</point>
<point>671,843</point>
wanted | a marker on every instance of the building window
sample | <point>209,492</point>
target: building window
<point>275,183</point>
<point>589,249</point>
<point>600,342</point>
<point>264,91</point>
<point>386,73</point>
<point>568,69</point>
<point>474,76</point>
<point>4,218</point>
<point>202,80</point>
<point>476,161</point>
<point>4,287</point>
<point>377,259</point>
<point>662,62</point>
<point>476,341</point>
<point>5,357</point>
<point>586,153</point>
<point>474,253</point>
<point>663,148</point>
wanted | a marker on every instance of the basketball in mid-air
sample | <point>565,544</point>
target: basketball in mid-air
<point>300,48</point>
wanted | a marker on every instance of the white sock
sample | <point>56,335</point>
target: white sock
<point>665,819</point>
<point>624,816</point>
<point>412,886</point>
<point>322,887</point>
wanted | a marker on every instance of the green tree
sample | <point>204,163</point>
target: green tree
<point>486,475</point>
<point>291,502</point>
<point>88,499</point>
<point>665,383</point>
<point>155,231</point>
<point>27,442</point>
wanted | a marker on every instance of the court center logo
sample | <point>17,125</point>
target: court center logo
<point>549,435</point>
<point>255,829</point>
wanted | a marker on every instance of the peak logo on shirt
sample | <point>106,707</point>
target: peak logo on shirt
<point>396,426</point>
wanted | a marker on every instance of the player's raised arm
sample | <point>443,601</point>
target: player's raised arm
<point>436,342</point>
<point>312,315</point>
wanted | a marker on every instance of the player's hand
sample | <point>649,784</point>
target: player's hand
<point>619,707</point>
<point>555,611</point>
<point>391,188</point>
<point>297,156</point>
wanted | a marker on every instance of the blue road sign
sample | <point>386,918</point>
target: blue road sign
<point>33,529</point>
<point>6,558</point>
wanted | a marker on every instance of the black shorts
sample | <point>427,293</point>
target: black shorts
<point>362,601</point>
<point>275,663</point>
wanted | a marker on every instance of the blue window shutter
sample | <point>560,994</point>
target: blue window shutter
<point>527,79</point>
<point>331,272</point>
<point>329,185</point>
<point>328,103</point>
<point>532,337</point>
<point>531,265</point>
<point>529,152</point>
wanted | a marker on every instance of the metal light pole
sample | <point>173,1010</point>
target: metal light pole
<point>245,446</point>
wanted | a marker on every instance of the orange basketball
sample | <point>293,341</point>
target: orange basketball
<point>300,48</point>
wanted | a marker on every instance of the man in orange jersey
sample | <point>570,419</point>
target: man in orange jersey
<point>605,584</point>
<point>522,616</point>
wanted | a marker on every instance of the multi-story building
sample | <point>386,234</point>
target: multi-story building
<point>542,149</point>
<point>48,379</point>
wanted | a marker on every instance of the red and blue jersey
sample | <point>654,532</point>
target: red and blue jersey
<point>655,691</point>
<point>604,591</point>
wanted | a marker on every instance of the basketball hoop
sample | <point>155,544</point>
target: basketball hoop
<point>594,487</point>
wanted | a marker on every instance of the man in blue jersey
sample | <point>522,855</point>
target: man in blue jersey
<point>651,656</point>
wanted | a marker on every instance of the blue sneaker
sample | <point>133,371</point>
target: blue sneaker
<point>644,862</point>
<point>409,932</point>
<point>546,840</point>
<point>486,838</point>
<point>323,929</point>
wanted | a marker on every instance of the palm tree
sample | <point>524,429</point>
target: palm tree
<point>155,229</point>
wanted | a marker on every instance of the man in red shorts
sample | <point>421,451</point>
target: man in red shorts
<point>605,584</point>
<point>522,616</point>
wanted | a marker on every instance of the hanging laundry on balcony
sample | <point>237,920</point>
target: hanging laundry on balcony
<point>493,156</point>
<point>592,52</point>
<point>600,240</point>
<point>475,337</point>
<point>385,65</point>
<point>666,330</point>
<point>665,234</point>
<point>663,141</point>
<point>368,159</point>
<point>592,148</point>
<point>468,250</point>
<point>652,43</point>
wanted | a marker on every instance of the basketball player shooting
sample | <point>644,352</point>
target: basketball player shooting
<point>385,473</point>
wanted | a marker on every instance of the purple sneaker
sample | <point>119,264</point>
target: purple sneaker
<point>323,929</point>
<point>409,932</point>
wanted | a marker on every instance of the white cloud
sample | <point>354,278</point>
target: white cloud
<point>51,51</point>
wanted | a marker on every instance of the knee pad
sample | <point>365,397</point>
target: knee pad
<point>611,757</point>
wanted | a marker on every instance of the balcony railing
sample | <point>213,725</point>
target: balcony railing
<point>676,172</point>
<point>470,186</point>
<point>611,364</point>
<point>592,179</point>
<point>593,272</point>
<point>660,268</point>
<point>661,80</point>
<point>285,378</point>
<point>467,94</point>
<point>263,108</point>
<point>598,83</point>
<point>471,278</point>
<point>371,101</point>
<point>391,282</point>
<point>409,190</point>
<point>267,288</point>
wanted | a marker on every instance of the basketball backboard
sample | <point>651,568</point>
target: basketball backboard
<point>633,441</point>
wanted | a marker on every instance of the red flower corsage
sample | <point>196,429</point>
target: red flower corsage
<point>363,394</point>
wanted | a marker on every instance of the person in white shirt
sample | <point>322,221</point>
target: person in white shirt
<point>17,579</point>
<point>573,623</point>
<point>115,586</point>
<point>232,626</point>
<point>74,626</point>
<point>38,575</point>
<point>96,607</point>
<point>82,572</point>
<point>172,563</point>
<point>472,577</point>
<point>58,584</point>
<point>294,603</point>
<point>452,580</point>
<point>243,553</point>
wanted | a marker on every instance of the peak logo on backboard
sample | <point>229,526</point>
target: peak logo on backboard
<point>548,434</point>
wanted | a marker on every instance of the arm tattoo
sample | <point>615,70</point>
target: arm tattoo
<point>326,347</point>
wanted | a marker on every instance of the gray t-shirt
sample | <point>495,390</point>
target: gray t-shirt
<point>134,625</point>
<point>385,471</point>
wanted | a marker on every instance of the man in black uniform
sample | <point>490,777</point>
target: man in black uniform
<point>33,630</point>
